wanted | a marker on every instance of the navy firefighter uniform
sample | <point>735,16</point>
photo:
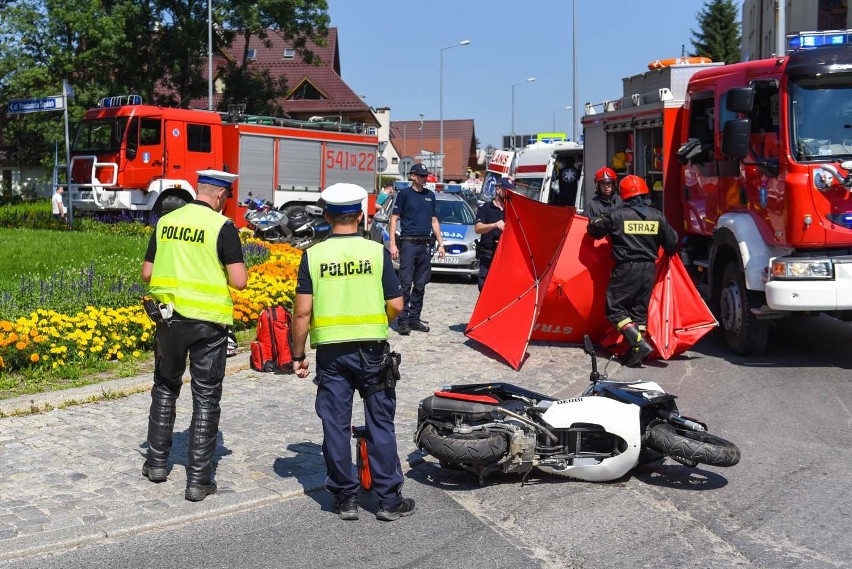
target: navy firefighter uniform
<point>637,230</point>
<point>416,210</point>
<point>345,294</point>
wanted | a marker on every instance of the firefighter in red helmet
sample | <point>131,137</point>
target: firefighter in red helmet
<point>637,230</point>
<point>605,197</point>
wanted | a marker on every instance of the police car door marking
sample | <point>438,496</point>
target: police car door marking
<point>641,227</point>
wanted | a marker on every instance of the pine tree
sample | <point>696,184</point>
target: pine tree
<point>718,36</point>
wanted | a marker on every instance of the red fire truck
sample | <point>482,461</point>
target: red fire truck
<point>739,157</point>
<point>127,156</point>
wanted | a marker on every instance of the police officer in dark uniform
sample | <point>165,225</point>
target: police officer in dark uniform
<point>193,256</point>
<point>416,210</point>
<point>347,292</point>
<point>637,231</point>
<point>490,224</point>
<point>605,197</point>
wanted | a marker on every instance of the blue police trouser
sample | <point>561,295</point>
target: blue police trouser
<point>342,369</point>
<point>484,266</point>
<point>415,270</point>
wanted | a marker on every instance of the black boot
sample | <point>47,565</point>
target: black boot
<point>161,423</point>
<point>202,445</point>
<point>639,348</point>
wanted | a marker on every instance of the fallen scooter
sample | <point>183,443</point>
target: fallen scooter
<point>598,436</point>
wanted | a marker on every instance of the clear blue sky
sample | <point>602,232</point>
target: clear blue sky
<point>390,54</point>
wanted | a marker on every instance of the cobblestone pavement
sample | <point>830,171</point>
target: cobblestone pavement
<point>73,475</point>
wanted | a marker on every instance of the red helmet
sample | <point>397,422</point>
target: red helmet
<point>632,186</point>
<point>604,174</point>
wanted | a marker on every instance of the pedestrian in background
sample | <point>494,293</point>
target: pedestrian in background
<point>346,293</point>
<point>637,231</point>
<point>490,223</point>
<point>384,194</point>
<point>416,212</point>
<point>56,205</point>
<point>193,256</point>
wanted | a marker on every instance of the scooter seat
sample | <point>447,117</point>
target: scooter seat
<point>446,406</point>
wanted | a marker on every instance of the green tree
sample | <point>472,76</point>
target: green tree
<point>718,36</point>
<point>91,44</point>
<point>155,48</point>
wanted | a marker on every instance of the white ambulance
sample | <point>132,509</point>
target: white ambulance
<point>549,172</point>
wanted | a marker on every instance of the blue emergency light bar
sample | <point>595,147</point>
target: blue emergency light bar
<point>119,101</point>
<point>808,40</point>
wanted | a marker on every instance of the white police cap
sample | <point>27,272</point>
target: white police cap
<point>216,178</point>
<point>343,197</point>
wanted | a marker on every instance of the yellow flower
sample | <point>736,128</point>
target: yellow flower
<point>34,358</point>
<point>21,346</point>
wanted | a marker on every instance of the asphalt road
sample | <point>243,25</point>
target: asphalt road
<point>787,504</point>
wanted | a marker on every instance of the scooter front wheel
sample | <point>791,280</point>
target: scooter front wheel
<point>478,447</point>
<point>693,446</point>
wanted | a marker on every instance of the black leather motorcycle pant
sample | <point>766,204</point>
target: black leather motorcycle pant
<point>206,345</point>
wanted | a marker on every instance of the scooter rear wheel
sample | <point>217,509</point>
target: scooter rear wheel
<point>693,446</point>
<point>476,448</point>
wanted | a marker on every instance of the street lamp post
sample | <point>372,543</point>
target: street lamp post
<point>441,102</point>
<point>421,135</point>
<point>527,80</point>
<point>209,55</point>
<point>559,111</point>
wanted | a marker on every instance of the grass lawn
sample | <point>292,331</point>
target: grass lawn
<point>67,270</point>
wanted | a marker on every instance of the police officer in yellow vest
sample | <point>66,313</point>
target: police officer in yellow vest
<point>347,292</point>
<point>193,256</point>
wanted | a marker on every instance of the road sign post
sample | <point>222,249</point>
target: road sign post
<point>405,165</point>
<point>56,103</point>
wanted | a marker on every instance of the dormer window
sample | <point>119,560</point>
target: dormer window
<point>289,53</point>
<point>251,55</point>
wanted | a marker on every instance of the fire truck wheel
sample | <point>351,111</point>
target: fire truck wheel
<point>745,335</point>
<point>168,203</point>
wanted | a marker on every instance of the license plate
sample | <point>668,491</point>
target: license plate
<point>446,260</point>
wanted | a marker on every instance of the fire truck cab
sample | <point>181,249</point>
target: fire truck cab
<point>736,157</point>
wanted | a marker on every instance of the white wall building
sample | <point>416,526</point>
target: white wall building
<point>759,25</point>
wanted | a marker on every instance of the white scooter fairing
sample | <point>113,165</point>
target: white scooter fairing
<point>619,419</point>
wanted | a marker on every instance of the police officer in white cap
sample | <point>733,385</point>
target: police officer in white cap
<point>346,293</point>
<point>193,256</point>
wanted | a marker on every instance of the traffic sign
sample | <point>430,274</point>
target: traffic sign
<point>382,145</point>
<point>405,164</point>
<point>19,106</point>
<point>383,163</point>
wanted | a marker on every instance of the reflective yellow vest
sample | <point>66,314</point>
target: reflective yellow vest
<point>187,271</point>
<point>348,299</point>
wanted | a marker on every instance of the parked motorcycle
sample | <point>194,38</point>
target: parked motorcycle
<point>600,435</point>
<point>308,226</point>
<point>267,222</point>
<point>301,229</point>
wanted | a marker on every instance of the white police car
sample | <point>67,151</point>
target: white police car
<point>457,220</point>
